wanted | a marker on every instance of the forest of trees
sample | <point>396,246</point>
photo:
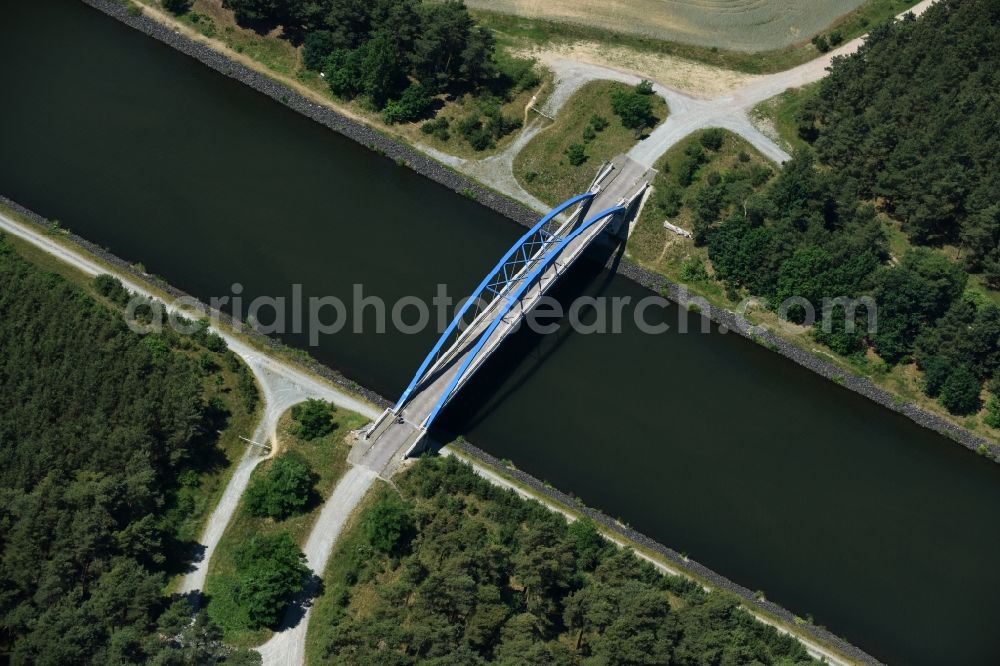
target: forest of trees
<point>458,571</point>
<point>99,426</point>
<point>913,122</point>
<point>909,126</point>
<point>397,55</point>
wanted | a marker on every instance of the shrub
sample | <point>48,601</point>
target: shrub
<point>576,154</point>
<point>634,108</point>
<point>317,47</point>
<point>589,134</point>
<point>437,128</point>
<point>270,571</point>
<point>207,364</point>
<point>693,270</point>
<point>177,6</point>
<point>960,392</point>
<point>499,125</point>
<point>744,156</point>
<point>589,545</point>
<point>992,418</point>
<point>530,176</point>
<point>644,87</point>
<point>711,139</point>
<point>472,130</point>
<point>247,387</point>
<point>210,340</point>
<point>313,418</point>
<point>760,174</point>
<point>482,129</point>
<point>836,38</point>
<point>688,167</point>
<point>431,125</point>
<point>286,489</point>
<point>111,288</point>
<point>413,104</point>
<point>936,370</point>
<point>819,41</point>
<point>993,386</point>
<point>668,199</point>
<point>389,525</point>
<point>516,74</point>
<point>598,122</point>
<point>343,73</point>
<point>991,270</point>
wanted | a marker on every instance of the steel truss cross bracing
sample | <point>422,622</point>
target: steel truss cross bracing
<point>501,291</point>
<point>511,267</point>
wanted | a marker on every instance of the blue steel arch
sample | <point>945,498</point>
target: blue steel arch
<point>510,304</point>
<point>499,269</point>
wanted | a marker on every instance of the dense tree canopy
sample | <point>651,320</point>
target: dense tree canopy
<point>97,426</point>
<point>805,236</point>
<point>397,54</point>
<point>909,124</point>
<point>313,418</point>
<point>491,578</point>
<point>634,106</point>
<point>913,120</point>
<point>271,570</point>
<point>286,488</point>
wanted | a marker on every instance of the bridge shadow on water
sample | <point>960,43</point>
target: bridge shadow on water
<point>525,351</point>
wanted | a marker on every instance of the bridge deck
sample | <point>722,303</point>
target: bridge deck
<point>390,439</point>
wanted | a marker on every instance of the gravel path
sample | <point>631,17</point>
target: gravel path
<point>279,394</point>
<point>282,385</point>
<point>287,646</point>
<point>688,113</point>
<point>814,648</point>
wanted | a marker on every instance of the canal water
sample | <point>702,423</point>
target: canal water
<point>833,507</point>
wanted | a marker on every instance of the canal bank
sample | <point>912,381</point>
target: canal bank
<point>428,167</point>
<point>821,643</point>
<point>752,465</point>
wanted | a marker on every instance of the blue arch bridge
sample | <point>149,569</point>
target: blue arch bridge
<point>515,285</point>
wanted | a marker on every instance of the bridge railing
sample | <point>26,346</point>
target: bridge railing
<point>514,298</point>
<point>511,268</point>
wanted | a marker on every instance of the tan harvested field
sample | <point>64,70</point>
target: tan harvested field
<point>738,25</point>
<point>688,76</point>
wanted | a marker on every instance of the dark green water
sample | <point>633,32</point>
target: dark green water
<point>784,482</point>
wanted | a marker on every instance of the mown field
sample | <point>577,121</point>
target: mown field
<point>635,42</point>
<point>741,25</point>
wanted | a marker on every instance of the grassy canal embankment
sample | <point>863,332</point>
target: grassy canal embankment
<point>501,109</point>
<point>711,174</point>
<point>334,461</point>
<point>448,563</point>
<point>903,395</point>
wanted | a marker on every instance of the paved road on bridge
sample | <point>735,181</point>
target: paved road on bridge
<point>395,435</point>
